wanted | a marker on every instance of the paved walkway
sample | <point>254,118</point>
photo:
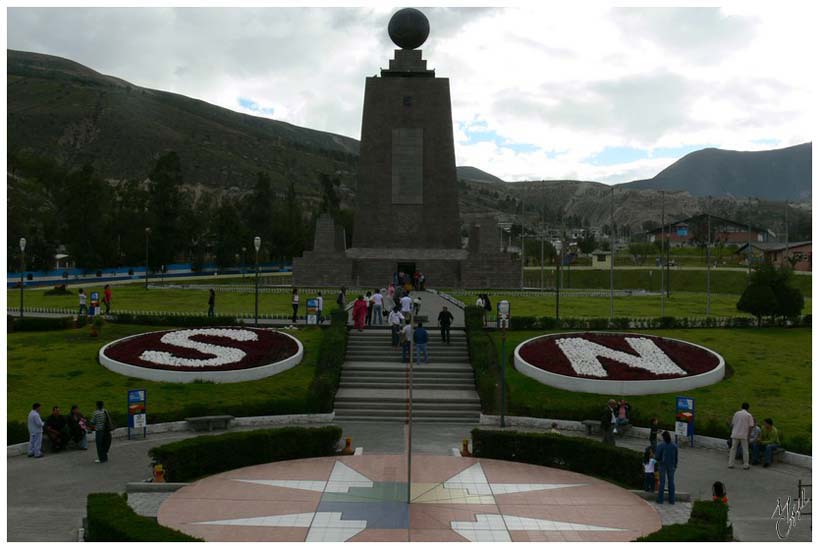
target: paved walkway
<point>430,306</point>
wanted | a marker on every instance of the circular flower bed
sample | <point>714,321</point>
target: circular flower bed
<point>620,364</point>
<point>216,354</point>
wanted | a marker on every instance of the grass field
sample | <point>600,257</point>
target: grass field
<point>771,369</point>
<point>61,368</point>
<point>678,305</point>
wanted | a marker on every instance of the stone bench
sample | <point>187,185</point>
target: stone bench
<point>592,426</point>
<point>201,423</point>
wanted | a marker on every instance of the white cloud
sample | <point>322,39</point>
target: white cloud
<point>572,81</point>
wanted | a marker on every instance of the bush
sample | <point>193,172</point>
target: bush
<point>484,359</point>
<point>16,432</point>
<point>585,456</point>
<point>523,323</point>
<point>110,519</point>
<point>202,456</point>
<point>707,523</point>
<point>59,290</point>
<point>330,357</point>
<point>36,324</point>
<point>174,320</point>
<point>758,300</point>
<point>473,316</point>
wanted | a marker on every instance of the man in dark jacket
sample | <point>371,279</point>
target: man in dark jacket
<point>445,319</point>
<point>666,456</point>
<point>608,419</point>
<point>57,430</point>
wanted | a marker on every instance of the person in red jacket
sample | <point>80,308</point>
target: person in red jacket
<point>107,298</point>
<point>359,313</point>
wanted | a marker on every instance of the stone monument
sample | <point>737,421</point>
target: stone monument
<point>407,216</point>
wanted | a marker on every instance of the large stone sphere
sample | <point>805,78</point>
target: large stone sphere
<point>408,28</point>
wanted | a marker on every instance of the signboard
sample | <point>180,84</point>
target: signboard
<point>685,419</point>
<point>503,314</point>
<point>312,311</point>
<point>95,303</point>
<point>136,411</point>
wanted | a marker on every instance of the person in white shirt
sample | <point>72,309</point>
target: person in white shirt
<point>742,423</point>
<point>378,301</point>
<point>83,304</point>
<point>416,305</point>
<point>406,338</point>
<point>35,432</point>
<point>406,304</point>
<point>320,303</point>
<point>395,319</point>
<point>295,303</point>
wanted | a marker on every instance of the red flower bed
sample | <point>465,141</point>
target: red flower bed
<point>545,354</point>
<point>271,347</point>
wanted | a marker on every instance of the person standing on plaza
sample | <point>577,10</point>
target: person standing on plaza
<point>35,432</point>
<point>395,319</point>
<point>406,305</point>
<point>359,313</point>
<point>294,301</point>
<point>211,302</point>
<point>107,298</point>
<point>479,303</point>
<point>341,299</point>
<point>378,303</point>
<point>608,422</point>
<point>320,304</point>
<point>77,427</point>
<point>742,422</point>
<point>83,302</point>
<point>420,339</point>
<point>769,441</point>
<point>666,456</point>
<point>103,426</point>
<point>653,433</point>
<point>649,469</point>
<point>445,319</point>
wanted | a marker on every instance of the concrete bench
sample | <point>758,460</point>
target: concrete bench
<point>200,423</point>
<point>592,426</point>
<point>777,455</point>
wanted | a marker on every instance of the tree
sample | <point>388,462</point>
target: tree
<point>164,207</point>
<point>587,244</point>
<point>640,252</point>
<point>758,300</point>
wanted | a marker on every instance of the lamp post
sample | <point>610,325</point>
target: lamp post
<point>257,243</point>
<point>22,271</point>
<point>244,249</point>
<point>147,235</point>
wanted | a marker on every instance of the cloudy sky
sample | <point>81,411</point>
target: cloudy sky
<point>599,93</point>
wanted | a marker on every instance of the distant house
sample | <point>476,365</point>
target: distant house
<point>692,230</point>
<point>601,259</point>
<point>775,253</point>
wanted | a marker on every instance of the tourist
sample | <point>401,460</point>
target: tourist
<point>359,313</point>
<point>78,428</point>
<point>649,470</point>
<point>83,302</point>
<point>416,305</point>
<point>378,303</point>
<point>608,422</point>
<point>35,432</point>
<point>623,413</point>
<point>395,281</point>
<point>488,306</point>
<point>754,436</point>
<point>416,275</point>
<point>554,429</point>
<point>391,293</point>
<point>103,426</point>
<point>445,319</point>
<point>719,493</point>
<point>420,338</point>
<point>769,441</point>
<point>422,280</point>
<point>395,319</point>
<point>341,299</point>
<point>653,432</point>
<point>406,305</point>
<point>479,303</point>
<point>294,301</point>
<point>107,298</point>
<point>369,299</point>
<point>742,422</point>
<point>211,302</point>
<point>667,458</point>
<point>320,304</point>
<point>406,336</point>
<point>56,428</point>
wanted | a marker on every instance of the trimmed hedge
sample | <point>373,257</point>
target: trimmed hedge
<point>473,316</point>
<point>36,324</point>
<point>484,360</point>
<point>110,519</point>
<point>708,523</point>
<point>202,456</point>
<point>622,323</point>
<point>585,456</point>
<point>330,357</point>
<point>175,320</point>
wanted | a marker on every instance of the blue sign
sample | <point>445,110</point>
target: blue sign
<point>137,411</point>
<point>685,419</point>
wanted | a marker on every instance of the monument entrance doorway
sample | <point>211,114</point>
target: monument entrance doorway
<point>406,267</point>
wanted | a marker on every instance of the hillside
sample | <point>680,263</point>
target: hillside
<point>779,174</point>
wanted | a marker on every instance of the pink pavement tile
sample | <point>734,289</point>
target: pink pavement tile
<point>309,468</point>
<point>230,489</point>
<point>439,516</point>
<point>537,536</point>
<point>436,469</point>
<point>381,535</point>
<point>435,535</point>
<point>641,521</point>
<point>378,467</point>
<point>180,511</point>
<point>229,533</point>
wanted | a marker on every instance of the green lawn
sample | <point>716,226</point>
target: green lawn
<point>680,304</point>
<point>770,368</point>
<point>61,368</point>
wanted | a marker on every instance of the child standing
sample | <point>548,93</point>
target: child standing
<point>83,303</point>
<point>649,470</point>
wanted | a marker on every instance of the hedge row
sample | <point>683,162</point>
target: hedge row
<point>36,324</point>
<point>329,360</point>
<point>202,456</point>
<point>622,323</point>
<point>707,523</point>
<point>110,519</point>
<point>586,456</point>
<point>177,320</point>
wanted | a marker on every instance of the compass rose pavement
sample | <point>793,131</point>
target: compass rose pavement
<point>364,498</point>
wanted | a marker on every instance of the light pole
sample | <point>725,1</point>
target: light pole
<point>257,242</point>
<point>147,235</point>
<point>708,256</point>
<point>244,249</point>
<point>22,271</point>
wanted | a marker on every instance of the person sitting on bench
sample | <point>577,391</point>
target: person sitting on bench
<point>769,441</point>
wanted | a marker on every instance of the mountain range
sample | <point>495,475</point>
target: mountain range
<point>62,110</point>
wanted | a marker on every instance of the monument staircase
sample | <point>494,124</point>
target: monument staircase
<point>374,382</point>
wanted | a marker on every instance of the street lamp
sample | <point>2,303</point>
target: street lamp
<point>147,234</point>
<point>257,243</point>
<point>22,271</point>
<point>244,249</point>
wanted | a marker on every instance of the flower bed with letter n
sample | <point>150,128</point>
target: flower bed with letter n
<point>618,363</point>
<point>216,354</point>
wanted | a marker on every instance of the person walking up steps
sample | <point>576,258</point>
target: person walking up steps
<point>406,336</point>
<point>378,302</point>
<point>420,338</point>
<point>742,422</point>
<point>395,319</point>
<point>406,306</point>
<point>445,319</point>
<point>359,313</point>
